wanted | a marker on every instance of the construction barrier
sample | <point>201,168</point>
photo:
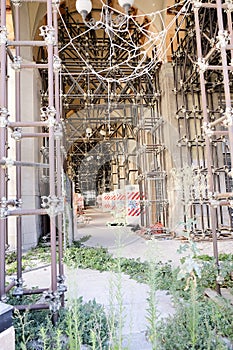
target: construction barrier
<point>99,201</point>
<point>124,205</point>
<point>119,210</point>
<point>78,203</point>
<point>133,204</point>
<point>106,203</point>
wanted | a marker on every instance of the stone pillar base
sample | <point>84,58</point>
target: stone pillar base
<point>7,332</point>
<point>7,339</point>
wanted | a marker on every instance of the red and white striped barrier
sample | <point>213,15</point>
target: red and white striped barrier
<point>120,200</point>
<point>133,204</point>
<point>80,201</point>
<point>108,201</point>
<point>125,204</point>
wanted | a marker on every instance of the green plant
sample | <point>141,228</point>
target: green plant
<point>176,333</point>
<point>152,315</point>
<point>72,325</point>
<point>99,259</point>
<point>30,259</point>
<point>88,257</point>
<point>76,325</point>
<point>10,257</point>
<point>22,336</point>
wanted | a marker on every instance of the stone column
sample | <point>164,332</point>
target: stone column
<point>171,137</point>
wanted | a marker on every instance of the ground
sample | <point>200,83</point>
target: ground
<point>93,284</point>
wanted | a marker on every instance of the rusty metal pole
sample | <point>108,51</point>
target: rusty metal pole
<point>18,152</point>
<point>58,149</point>
<point>230,28</point>
<point>51,116</point>
<point>226,83</point>
<point>3,139</point>
<point>208,155</point>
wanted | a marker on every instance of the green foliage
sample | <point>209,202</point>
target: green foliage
<point>88,257</point>
<point>79,242</point>
<point>10,257</point>
<point>41,253</point>
<point>197,325</point>
<point>152,313</point>
<point>99,259</point>
<point>222,257</point>
<point>211,324</point>
<point>30,259</point>
<point>28,325</point>
<point>20,300</point>
<point>76,325</point>
<point>209,274</point>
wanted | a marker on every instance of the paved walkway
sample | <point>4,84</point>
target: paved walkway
<point>120,241</point>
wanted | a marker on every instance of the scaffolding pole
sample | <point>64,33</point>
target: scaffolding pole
<point>50,130</point>
<point>3,146</point>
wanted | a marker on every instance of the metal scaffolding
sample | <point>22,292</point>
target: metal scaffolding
<point>202,64</point>
<point>47,126</point>
<point>113,125</point>
<point>106,126</point>
<point>111,120</point>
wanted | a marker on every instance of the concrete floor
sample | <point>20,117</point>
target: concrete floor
<point>121,241</point>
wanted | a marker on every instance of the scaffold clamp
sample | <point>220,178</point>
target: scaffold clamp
<point>53,299</point>
<point>3,208</point>
<point>229,116</point>
<point>7,162</point>
<point>56,63</point>
<point>207,129</point>
<point>3,117</point>
<point>17,134</point>
<point>202,64</point>
<point>16,64</point>
<point>53,204</point>
<point>223,39</point>
<point>3,35</point>
<point>48,33</point>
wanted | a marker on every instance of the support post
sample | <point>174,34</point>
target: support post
<point>208,153</point>
<point>3,140</point>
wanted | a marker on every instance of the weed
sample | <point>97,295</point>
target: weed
<point>177,333</point>
<point>76,325</point>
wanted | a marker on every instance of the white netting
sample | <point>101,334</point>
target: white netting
<point>118,29</point>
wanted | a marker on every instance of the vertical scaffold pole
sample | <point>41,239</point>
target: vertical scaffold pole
<point>208,155</point>
<point>58,148</point>
<point>51,116</point>
<point>3,140</point>
<point>18,150</point>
